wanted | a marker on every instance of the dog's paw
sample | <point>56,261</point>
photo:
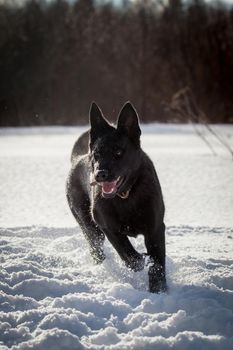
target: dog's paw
<point>136,263</point>
<point>157,279</point>
<point>159,287</point>
<point>98,257</point>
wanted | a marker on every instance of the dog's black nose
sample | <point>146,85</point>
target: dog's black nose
<point>101,175</point>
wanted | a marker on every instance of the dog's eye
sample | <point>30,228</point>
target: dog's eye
<point>118,153</point>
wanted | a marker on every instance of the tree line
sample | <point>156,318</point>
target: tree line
<point>56,57</point>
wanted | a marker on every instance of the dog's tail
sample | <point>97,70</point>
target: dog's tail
<point>81,146</point>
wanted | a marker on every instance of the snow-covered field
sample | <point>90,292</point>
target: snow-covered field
<point>51,294</point>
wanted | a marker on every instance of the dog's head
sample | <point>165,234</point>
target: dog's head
<point>114,151</point>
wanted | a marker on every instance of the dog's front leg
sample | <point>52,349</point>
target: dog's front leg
<point>126,251</point>
<point>95,239</point>
<point>92,233</point>
<point>155,244</point>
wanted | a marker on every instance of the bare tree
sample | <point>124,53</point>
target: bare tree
<point>184,104</point>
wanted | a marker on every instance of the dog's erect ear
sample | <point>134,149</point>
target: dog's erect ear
<point>97,119</point>
<point>99,124</point>
<point>128,123</point>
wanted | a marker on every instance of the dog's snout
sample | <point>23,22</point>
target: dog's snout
<point>101,175</point>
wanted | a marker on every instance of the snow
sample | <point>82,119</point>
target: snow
<point>52,296</point>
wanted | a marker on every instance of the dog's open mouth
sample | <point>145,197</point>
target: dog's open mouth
<point>109,188</point>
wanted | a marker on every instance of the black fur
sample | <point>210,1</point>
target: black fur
<point>135,206</point>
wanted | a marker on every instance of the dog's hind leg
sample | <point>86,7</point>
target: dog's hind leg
<point>92,233</point>
<point>155,244</point>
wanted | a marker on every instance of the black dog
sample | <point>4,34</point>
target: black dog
<point>113,191</point>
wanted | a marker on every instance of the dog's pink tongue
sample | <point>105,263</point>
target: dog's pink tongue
<point>109,187</point>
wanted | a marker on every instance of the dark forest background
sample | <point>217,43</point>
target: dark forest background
<point>56,57</point>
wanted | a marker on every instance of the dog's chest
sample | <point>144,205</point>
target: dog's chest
<point>130,219</point>
<point>121,216</point>
<point>129,230</point>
